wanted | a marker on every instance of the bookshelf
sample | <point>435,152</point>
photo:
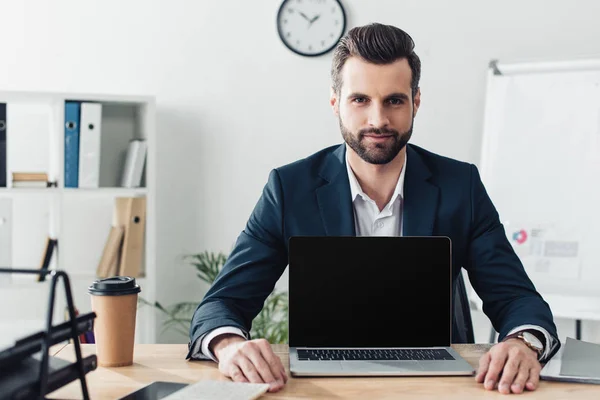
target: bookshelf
<point>79,218</point>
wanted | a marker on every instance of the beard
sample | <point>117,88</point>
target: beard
<point>377,153</point>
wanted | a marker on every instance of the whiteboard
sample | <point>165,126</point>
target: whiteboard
<point>540,164</point>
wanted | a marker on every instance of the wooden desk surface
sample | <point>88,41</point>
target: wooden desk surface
<point>166,362</point>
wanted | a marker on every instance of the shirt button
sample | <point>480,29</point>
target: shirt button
<point>379,225</point>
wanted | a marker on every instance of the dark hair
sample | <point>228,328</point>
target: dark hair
<point>377,44</point>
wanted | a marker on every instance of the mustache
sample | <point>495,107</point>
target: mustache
<point>378,132</point>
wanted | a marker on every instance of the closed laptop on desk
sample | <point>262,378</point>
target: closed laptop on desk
<point>371,306</point>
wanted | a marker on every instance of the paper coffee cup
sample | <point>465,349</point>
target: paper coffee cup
<point>114,300</point>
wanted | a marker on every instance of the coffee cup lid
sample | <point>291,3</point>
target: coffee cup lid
<point>114,286</point>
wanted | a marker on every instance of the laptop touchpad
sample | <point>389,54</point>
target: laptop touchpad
<point>382,366</point>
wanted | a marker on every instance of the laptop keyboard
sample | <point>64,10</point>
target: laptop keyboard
<point>373,354</point>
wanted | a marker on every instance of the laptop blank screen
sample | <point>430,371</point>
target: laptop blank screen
<point>369,291</point>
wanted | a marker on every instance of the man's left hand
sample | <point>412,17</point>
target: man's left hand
<point>510,365</point>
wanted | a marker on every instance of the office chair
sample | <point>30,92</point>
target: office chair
<point>462,329</point>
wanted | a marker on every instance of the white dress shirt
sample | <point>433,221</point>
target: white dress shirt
<point>368,221</point>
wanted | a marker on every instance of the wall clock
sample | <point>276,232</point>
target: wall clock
<point>311,27</point>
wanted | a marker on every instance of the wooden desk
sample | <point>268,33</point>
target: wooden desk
<point>167,362</point>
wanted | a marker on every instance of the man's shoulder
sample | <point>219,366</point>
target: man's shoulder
<point>439,164</point>
<point>311,164</point>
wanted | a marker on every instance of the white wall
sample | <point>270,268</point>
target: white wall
<point>233,102</point>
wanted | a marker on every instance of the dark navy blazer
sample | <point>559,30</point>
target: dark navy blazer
<point>311,196</point>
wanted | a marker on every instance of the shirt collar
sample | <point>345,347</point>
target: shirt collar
<point>356,190</point>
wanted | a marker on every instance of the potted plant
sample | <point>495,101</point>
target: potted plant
<point>271,323</point>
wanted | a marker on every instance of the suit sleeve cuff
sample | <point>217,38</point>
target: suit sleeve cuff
<point>203,344</point>
<point>548,346</point>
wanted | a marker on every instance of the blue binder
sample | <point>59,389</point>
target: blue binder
<point>72,117</point>
<point>2,145</point>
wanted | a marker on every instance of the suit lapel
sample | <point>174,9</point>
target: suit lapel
<point>335,203</point>
<point>420,197</point>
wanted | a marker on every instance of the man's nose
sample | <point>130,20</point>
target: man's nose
<point>378,117</point>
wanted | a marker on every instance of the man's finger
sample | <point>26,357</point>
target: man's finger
<point>249,370</point>
<point>236,374</point>
<point>261,365</point>
<point>518,384</point>
<point>534,378</point>
<point>496,364</point>
<point>484,363</point>
<point>508,374</point>
<point>273,361</point>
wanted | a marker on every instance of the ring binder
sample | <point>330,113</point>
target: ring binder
<point>24,349</point>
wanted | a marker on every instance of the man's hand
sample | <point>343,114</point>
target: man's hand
<point>511,365</point>
<point>249,361</point>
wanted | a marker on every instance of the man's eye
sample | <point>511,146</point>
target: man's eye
<point>396,102</point>
<point>360,100</point>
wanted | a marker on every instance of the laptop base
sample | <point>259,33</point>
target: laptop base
<point>456,367</point>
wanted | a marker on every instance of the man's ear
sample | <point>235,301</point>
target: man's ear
<point>417,102</point>
<point>334,102</point>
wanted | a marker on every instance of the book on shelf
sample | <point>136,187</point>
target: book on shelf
<point>124,247</point>
<point>30,180</point>
<point>30,184</point>
<point>29,176</point>
<point>131,214</point>
<point>109,261</point>
<point>90,133</point>
<point>134,163</point>
<point>71,149</point>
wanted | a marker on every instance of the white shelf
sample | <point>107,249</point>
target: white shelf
<point>109,191</point>
<point>80,218</point>
<point>36,191</point>
<point>105,191</point>
<point>91,276</point>
<point>25,96</point>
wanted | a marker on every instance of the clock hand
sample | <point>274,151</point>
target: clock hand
<point>314,19</point>
<point>304,16</point>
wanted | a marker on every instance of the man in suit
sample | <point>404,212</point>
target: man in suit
<point>375,184</point>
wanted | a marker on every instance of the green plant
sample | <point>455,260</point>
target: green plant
<point>271,323</point>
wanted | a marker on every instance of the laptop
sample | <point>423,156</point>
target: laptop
<point>361,306</point>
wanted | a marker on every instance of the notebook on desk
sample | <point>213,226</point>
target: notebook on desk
<point>201,390</point>
<point>576,361</point>
<point>155,391</point>
<point>371,306</point>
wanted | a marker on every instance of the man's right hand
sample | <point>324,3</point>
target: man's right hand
<point>249,361</point>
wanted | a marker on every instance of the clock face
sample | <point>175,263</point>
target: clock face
<point>311,27</point>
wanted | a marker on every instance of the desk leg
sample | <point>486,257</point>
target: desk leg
<point>578,329</point>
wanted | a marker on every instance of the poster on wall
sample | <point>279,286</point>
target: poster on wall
<point>547,250</point>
